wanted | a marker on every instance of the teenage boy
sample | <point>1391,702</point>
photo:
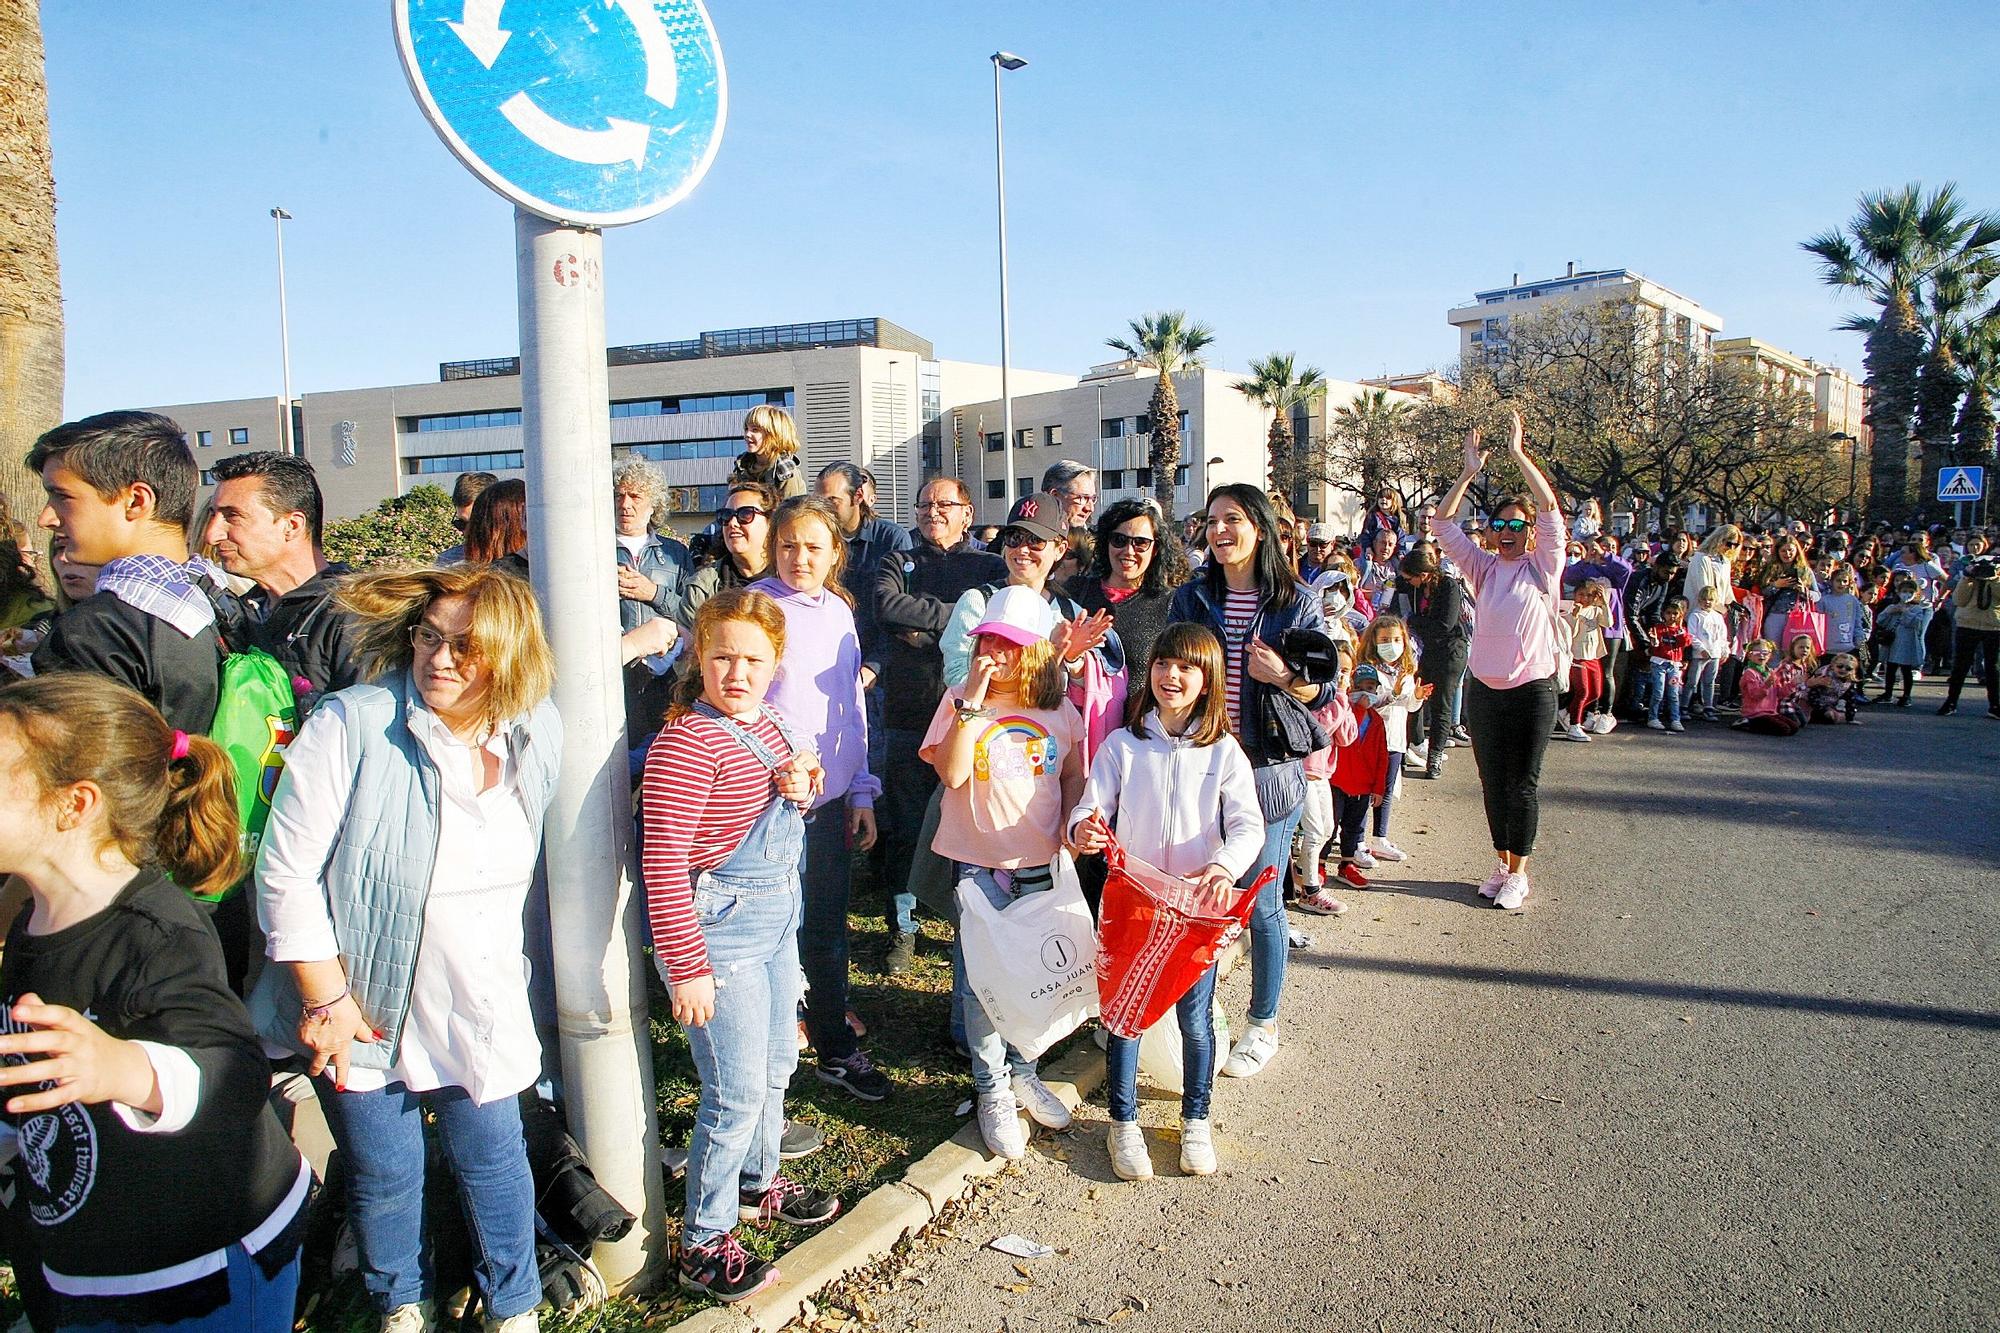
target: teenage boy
<point>121,489</point>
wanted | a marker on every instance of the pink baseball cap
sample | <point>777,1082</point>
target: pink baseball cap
<point>1018,615</point>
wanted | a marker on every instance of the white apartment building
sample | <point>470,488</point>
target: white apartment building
<point>1482,325</point>
<point>864,390</point>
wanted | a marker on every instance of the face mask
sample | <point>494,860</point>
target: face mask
<point>1335,602</point>
<point>1389,652</point>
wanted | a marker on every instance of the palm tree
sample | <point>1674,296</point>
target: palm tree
<point>1168,342</point>
<point>1893,246</point>
<point>1941,381</point>
<point>1278,386</point>
<point>1978,352</point>
<point>1369,426</point>
<point>31,317</point>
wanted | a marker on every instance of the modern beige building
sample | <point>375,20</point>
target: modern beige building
<point>1782,371</point>
<point>1482,325</point>
<point>1840,405</point>
<point>864,390</point>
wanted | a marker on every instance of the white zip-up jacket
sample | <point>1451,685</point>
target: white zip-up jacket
<point>1183,805</point>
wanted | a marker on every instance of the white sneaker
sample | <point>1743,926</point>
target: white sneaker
<point>1127,1146</point>
<point>1041,1103</point>
<point>1576,733</point>
<point>1197,1148</point>
<point>1491,885</point>
<point>1654,724</point>
<point>1513,892</point>
<point>1362,858</point>
<point>416,1317</point>
<point>1606,723</point>
<point>1000,1126</point>
<point>1253,1051</point>
<point>1417,756</point>
<point>1675,726</point>
<point>517,1323</point>
<point>1389,851</point>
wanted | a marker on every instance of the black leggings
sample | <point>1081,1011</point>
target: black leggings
<point>1510,734</point>
<point>1967,645</point>
<point>1908,675</point>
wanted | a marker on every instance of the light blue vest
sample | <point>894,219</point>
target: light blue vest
<point>378,874</point>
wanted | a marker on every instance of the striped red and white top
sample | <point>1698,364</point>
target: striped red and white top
<point>1239,614</point>
<point>701,793</point>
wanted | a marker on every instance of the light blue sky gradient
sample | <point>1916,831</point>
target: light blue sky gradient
<point>1320,178</point>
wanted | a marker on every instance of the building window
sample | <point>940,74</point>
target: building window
<point>239,435</point>
<point>1023,486</point>
<point>432,466</point>
<point>697,499</point>
<point>204,438</point>
<point>995,441</point>
<point>468,420</point>
<point>1114,479</point>
<point>208,476</point>
<point>712,402</point>
<point>1052,436</point>
<point>1143,478</point>
<point>1111,428</point>
<point>1180,475</point>
<point>996,490</point>
<point>680,451</point>
<point>1142,424</point>
<point>1022,437</point>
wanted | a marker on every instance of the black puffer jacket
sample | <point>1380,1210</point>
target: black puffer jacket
<point>915,591</point>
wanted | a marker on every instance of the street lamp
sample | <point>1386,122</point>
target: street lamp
<point>279,217</point>
<point>1004,60</point>
<point>1206,464</point>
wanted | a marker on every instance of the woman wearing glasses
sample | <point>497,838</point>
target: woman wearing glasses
<point>1510,701</point>
<point>391,886</point>
<point>745,524</point>
<point>1134,570</point>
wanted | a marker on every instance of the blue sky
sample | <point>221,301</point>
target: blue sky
<point>1320,178</point>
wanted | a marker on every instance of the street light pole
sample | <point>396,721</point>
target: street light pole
<point>279,217</point>
<point>1004,60</point>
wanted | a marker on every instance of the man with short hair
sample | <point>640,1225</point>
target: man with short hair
<point>914,593</point>
<point>469,487</point>
<point>844,487</point>
<point>121,490</point>
<point>265,525</point>
<point>1076,486</point>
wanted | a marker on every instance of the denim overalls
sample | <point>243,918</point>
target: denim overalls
<point>748,910</point>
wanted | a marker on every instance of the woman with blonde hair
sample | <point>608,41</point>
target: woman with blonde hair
<point>772,455</point>
<point>1713,565</point>
<point>391,886</point>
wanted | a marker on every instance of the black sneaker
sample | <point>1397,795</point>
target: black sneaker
<point>787,1201</point>
<point>902,958</point>
<point>725,1270</point>
<point>858,1075</point>
<point>1946,710</point>
<point>799,1140</point>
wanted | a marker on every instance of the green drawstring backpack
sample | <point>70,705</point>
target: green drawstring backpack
<point>255,720</point>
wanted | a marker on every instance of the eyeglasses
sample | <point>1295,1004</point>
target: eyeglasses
<point>1015,538</point>
<point>427,640</point>
<point>743,514</point>
<point>1136,542</point>
<point>1509,525</point>
<point>459,523</point>
<point>941,506</point>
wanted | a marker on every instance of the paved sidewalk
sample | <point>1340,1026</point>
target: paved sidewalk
<point>1733,1068</point>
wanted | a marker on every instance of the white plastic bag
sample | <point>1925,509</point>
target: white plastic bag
<point>1032,965</point>
<point>1162,1062</point>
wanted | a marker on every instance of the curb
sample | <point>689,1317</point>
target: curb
<point>900,1208</point>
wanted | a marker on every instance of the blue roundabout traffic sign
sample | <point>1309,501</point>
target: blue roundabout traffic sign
<point>591,112</point>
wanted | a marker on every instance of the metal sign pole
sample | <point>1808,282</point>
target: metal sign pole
<point>607,1058</point>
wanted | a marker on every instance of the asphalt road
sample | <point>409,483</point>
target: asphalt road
<point>1736,1066</point>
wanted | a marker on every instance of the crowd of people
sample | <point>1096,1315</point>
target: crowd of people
<point>806,682</point>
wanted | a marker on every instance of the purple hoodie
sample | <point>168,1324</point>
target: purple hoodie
<point>818,688</point>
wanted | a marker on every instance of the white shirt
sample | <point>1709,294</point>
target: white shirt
<point>469,1025</point>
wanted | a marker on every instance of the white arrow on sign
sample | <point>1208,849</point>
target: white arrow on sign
<point>479,28</point>
<point>623,141</point>
<point>662,71</point>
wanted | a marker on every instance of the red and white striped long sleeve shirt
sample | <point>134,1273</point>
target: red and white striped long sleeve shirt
<point>701,794</point>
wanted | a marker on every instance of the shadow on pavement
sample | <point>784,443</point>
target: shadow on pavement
<point>1666,990</point>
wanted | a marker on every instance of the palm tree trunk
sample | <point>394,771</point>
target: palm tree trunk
<point>1975,426</point>
<point>1278,444</point>
<point>1164,453</point>
<point>1939,386</point>
<point>31,319</point>
<point>1895,348</point>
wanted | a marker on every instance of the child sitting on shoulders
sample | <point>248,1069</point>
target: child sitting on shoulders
<point>1176,789</point>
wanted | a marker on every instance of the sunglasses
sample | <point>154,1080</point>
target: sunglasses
<point>459,523</point>
<point>1124,539</point>
<point>743,514</point>
<point>1015,538</point>
<point>1509,525</point>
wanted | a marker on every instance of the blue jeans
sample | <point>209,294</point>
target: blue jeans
<point>257,1304</point>
<point>1270,932</point>
<point>907,784</point>
<point>748,909</point>
<point>993,1060</point>
<point>1196,1012</point>
<point>1663,690</point>
<point>1700,687</point>
<point>381,1138</point>
<point>1395,784</point>
<point>827,871</point>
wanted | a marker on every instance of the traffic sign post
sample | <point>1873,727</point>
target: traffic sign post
<point>583,114</point>
<point>1962,485</point>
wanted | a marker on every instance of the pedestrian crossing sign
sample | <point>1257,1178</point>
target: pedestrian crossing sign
<point>1961,483</point>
